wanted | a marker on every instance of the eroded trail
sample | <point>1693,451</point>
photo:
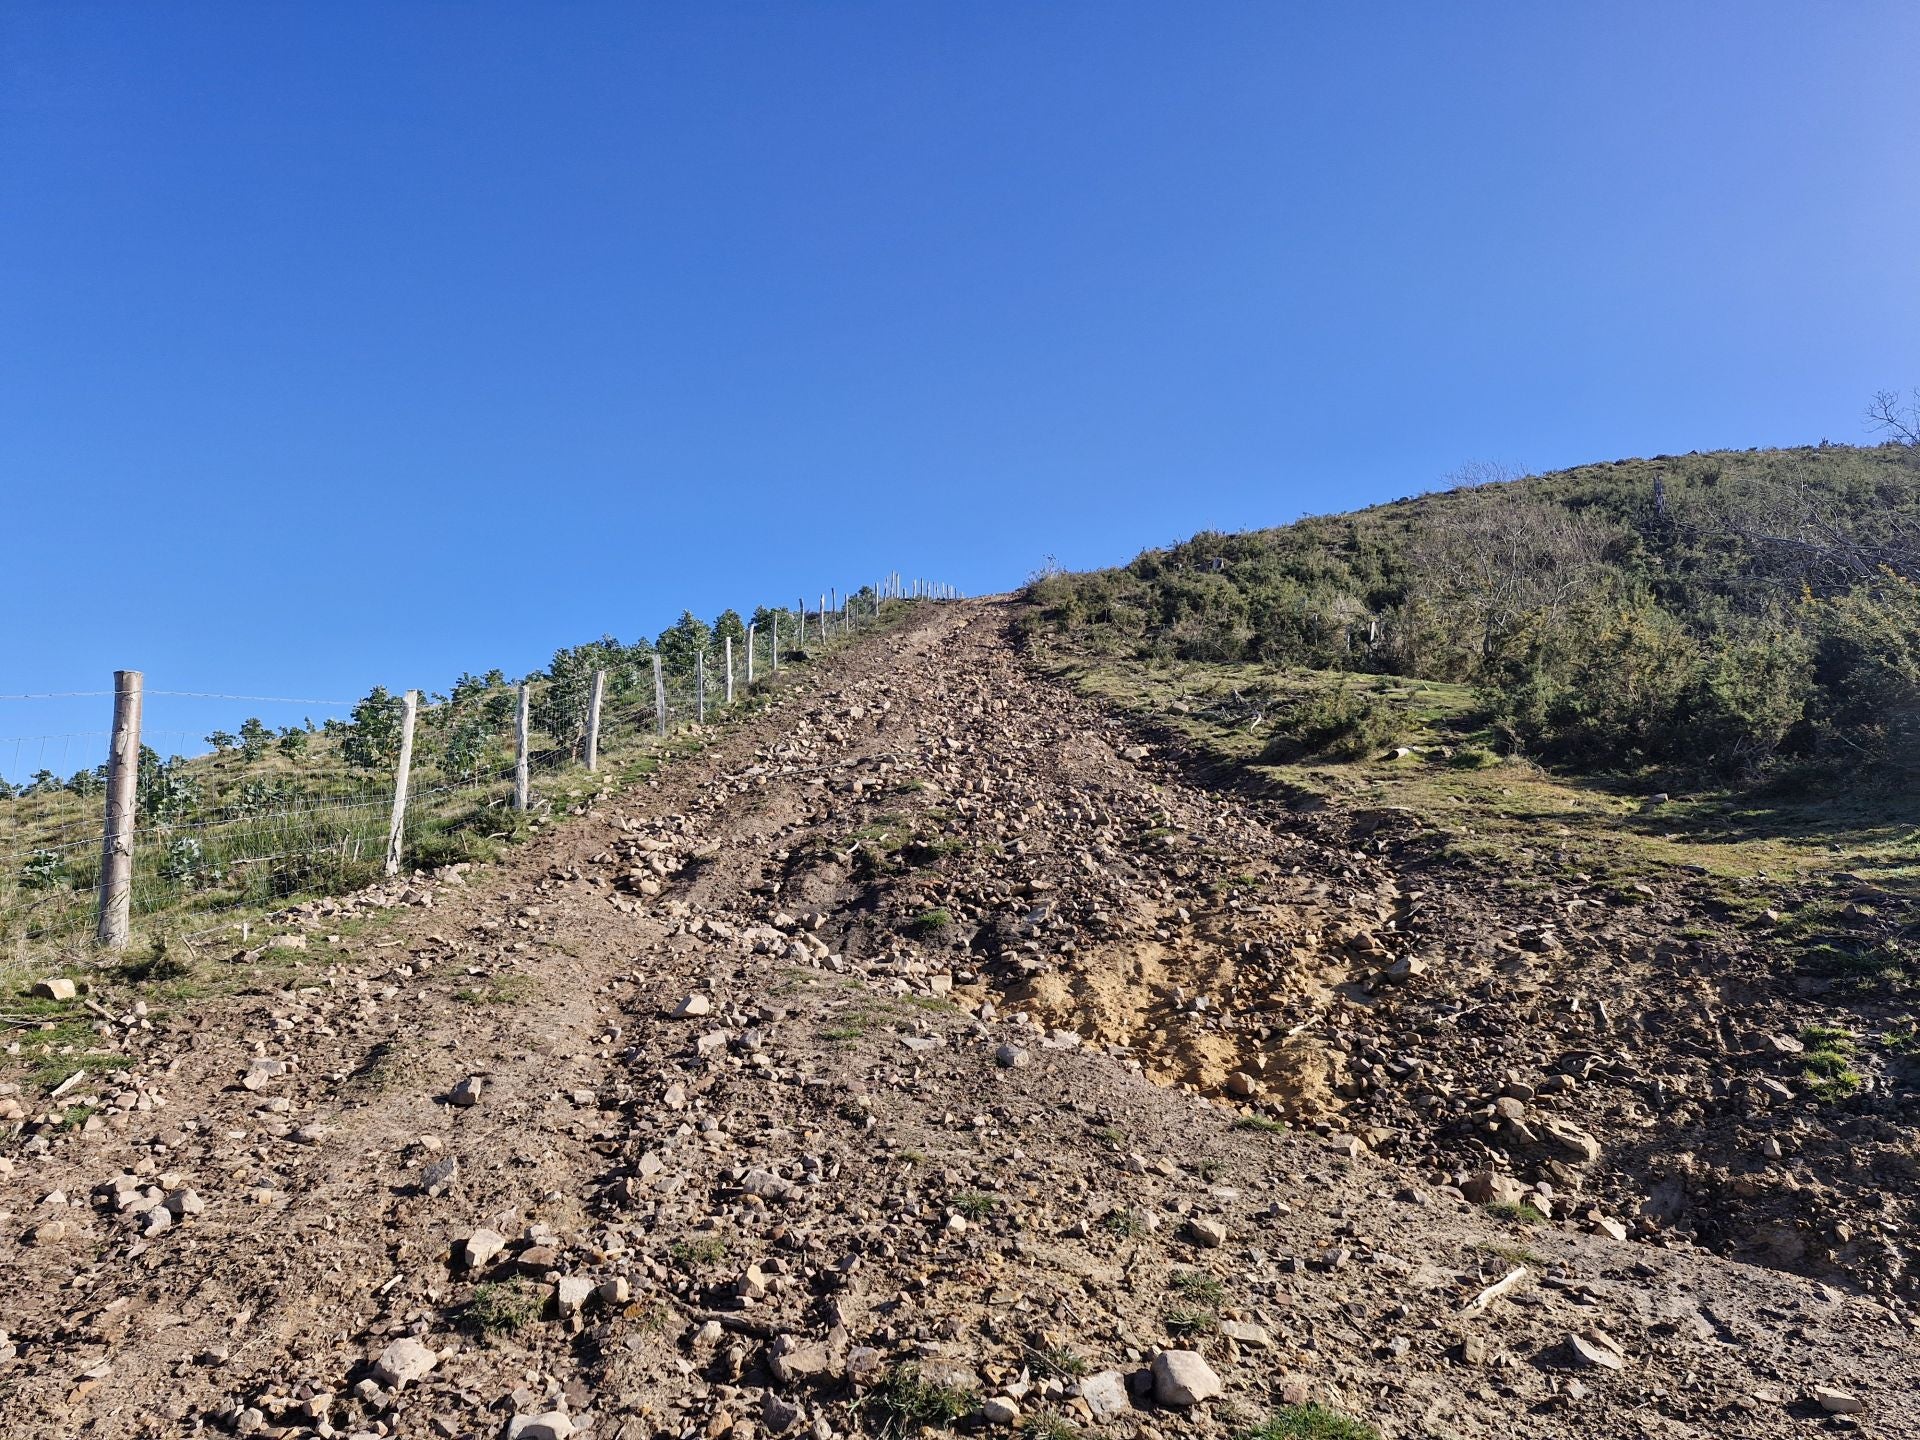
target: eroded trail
<point>893,1028</point>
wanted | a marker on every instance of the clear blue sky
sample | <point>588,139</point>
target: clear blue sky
<point>344,343</point>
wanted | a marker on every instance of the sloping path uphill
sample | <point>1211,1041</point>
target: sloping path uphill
<point>870,1056</point>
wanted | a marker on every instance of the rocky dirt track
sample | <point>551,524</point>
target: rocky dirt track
<point>926,1019</point>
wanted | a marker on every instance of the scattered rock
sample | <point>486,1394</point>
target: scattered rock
<point>403,1361</point>
<point>1837,1402</point>
<point>1183,1377</point>
<point>467,1092</point>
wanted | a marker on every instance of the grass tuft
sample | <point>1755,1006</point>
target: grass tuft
<point>506,1307</point>
<point>1311,1422</point>
<point>904,1403</point>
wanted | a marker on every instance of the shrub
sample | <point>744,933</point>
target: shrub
<point>186,861</point>
<point>1335,724</point>
<point>43,870</point>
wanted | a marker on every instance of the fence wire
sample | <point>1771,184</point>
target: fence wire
<point>273,819</point>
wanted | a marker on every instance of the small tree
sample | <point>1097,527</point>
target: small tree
<point>372,740</point>
<point>222,742</point>
<point>254,737</point>
<point>681,642</point>
<point>293,742</point>
<point>89,782</point>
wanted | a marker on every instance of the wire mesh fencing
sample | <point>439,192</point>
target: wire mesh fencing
<point>230,827</point>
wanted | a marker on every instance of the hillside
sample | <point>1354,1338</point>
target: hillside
<point>931,1049</point>
<point>1731,616</point>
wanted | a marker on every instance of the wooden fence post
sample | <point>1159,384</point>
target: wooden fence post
<point>659,695</point>
<point>115,922</point>
<point>773,643</point>
<point>593,719</point>
<point>397,826</point>
<point>522,740</point>
<point>750,630</point>
<point>800,605</point>
<point>700,686</point>
<point>729,669</point>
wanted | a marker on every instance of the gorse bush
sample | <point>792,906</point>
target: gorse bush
<point>1338,724</point>
<point>1716,615</point>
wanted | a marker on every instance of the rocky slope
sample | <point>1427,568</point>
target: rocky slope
<point>916,1054</point>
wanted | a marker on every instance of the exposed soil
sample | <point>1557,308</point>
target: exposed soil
<point>991,997</point>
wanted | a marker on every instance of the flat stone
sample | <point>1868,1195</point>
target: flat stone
<point>404,1360</point>
<point>551,1425</point>
<point>571,1293</point>
<point>999,1410</point>
<point>1244,1332</point>
<point>1183,1377</point>
<point>1012,1057</point>
<point>1106,1394</point>
<point>1593,1354</point>
<point>54,987</point>
<point>694,1005</point>
<point>779,1414</point>
<point>481,1246</point>
<point>1837,1402</point>
<point>440,1174</point>
<point>1207,1234</point>
<point>1572,1139</point>
<point>795,1359</point>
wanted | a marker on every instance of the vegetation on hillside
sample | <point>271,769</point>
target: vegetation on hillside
<point>1723,615</point>
<point>270,817</point>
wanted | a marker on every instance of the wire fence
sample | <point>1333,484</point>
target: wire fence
<point>276,815</point>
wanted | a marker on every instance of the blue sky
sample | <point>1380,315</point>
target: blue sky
<point>348,344</point>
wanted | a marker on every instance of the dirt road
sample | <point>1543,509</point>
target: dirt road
<point>926,1019</point>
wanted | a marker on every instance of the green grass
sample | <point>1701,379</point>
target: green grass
<point>1518,1211</point>
<point>700,1250</point>
<point>1266,1124</point>
<point>1123,1223</point>
<point>1826,1068</point>
<point>1056,1362</point>
<point>505,1307</point>
<point>1311,1422</point>
<point>904,1403</point>
<point>1049,1425</point>
<point>498,990</point>
<point>1197,1287</point>
<point>1505,815</point>
<point>55,1070</point>
<point>974,1204</point>
<point>1187,1321</point>
<point>1199,1298</point>
<point>929,923</point>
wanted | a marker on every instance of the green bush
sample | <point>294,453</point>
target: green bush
<point>1336,724</point>
<point>43,870</point>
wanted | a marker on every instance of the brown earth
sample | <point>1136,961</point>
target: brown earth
<point>994,1000</point>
